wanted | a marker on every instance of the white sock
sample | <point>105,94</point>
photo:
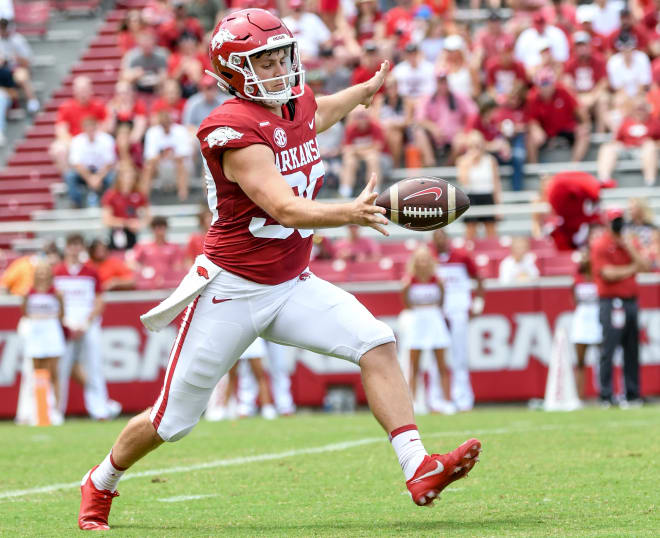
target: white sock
<point>345,191</point>
<point>106,475</point>
<point>408,446</point>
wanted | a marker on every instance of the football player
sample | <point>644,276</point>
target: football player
<point>263,170</point>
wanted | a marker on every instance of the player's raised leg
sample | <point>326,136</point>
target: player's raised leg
<point>352,333</point>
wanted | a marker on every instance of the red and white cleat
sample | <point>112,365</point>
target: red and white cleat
<point>437,471</point>
<point>94,505</point>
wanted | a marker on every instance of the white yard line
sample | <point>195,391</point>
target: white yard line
<point>181,498</point>
<point>334,447</point>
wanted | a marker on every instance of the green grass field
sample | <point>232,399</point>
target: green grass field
<point>589,473</point>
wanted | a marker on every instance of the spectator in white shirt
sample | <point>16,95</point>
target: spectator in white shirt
<point>167,141</point>
<point>520,265</point>
<point>415,76</point>
<point>606,16</point>
<point>308,28</point>
<point>92,158</point>
<point>629,70</point>
<point>527,45</point>
<point>16,53</point>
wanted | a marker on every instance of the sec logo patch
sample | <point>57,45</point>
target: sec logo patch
<point>280,137</point>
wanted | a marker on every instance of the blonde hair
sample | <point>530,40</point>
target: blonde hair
<point>643,205</point>
<point>421,253</point>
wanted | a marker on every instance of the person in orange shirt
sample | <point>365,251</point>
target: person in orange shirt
<point>18,278</point>
<point>113,272</point>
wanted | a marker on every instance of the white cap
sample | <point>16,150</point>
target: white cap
<point>454,42</point>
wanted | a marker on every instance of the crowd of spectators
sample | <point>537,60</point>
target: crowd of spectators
<point>474,95</point>
<point>549,74</point>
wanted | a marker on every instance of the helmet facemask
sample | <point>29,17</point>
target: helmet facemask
<point>254,87</point>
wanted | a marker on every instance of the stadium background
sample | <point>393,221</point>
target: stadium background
<point>510,342</point>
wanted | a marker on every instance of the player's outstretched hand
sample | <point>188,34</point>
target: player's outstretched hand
<point>365,213</point>
<point>374,83</point>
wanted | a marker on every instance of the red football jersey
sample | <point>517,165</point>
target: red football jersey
<point>243,238</point>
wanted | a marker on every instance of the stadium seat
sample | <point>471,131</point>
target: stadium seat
<point>45,118</point>
<point>104,41</point>
<point>561,263</point>
<point>110,68</point>
<point>41,131</point>
<point>383,269</point>
<point>29,172</point>
<point>78,6</point>
<point>32,18</point>
<point>330,270</point>
<point>17,186</point>
<point>29,159</point>
<point>102,53</point>
<point>32,146</point>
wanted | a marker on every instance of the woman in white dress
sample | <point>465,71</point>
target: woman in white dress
<point>44,337</point>
<point>423,294</point>
<point>586,330</point>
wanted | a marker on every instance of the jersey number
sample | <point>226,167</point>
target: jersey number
<point>298,181</point>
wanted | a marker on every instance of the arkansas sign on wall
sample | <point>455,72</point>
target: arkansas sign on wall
<point>510,345</point>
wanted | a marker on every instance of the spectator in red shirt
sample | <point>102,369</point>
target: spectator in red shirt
<point>125,208</point>
<point>113,272</point>
<point>364,141</point>
<point>585,73</point>
<point>195,244</point>
<point>170,101</point>
<point>628,26</point>
<point>634,138</point>
<point>159,263</point>
<point>503,73</point>
<point>554,112</point>
<point>187,64</point>
<point>369,64</point>
<point>129,29</point>
<point>127,121</point>
<point>399,24</point>
<point>355,247</point>
<point>70,114</point>
<point>169,32</point>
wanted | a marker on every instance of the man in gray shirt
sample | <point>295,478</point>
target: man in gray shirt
<point>145,66</point>
<point>200,105</point>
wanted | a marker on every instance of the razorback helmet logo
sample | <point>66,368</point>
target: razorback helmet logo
<point>241,35</point>
<point>201,271</point>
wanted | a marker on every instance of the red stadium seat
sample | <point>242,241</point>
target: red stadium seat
<point>32,18</point>
<point>559,264</point>
<point>19,212</point>
<point>30,172</point>
<point>79,6</point>
<point>102,53</point>
<point>330,270</point>
<point>383,269</point>
<point>41,131</point>
<point>104,41</point>
<point>30,159</point>
<point>17,186</point>
<point>36,145</point>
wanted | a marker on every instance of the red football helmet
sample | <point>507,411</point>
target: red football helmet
<point>242,34</point>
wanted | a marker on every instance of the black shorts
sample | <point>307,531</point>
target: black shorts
<point>480,199</point>
<point>7,77</point>
<point>569,136</point>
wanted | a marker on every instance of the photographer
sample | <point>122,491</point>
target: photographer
<point>615,262</point>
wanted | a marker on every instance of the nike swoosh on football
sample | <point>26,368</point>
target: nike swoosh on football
<point>216,300</point>
<point>311,124</point>
<point>439,468</point>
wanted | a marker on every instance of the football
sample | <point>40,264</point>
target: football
<point>423,203</point>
